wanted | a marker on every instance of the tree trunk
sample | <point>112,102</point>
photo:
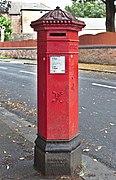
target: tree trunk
<point>110,16</point>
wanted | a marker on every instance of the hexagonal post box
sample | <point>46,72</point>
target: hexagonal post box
<point>57,147</point>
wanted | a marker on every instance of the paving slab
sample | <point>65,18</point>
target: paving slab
<point>97,67</point>
<point>16,153</point>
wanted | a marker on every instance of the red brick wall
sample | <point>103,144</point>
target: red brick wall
<point>23,43</point>
<point>106,38</point>
<point>100,48</point>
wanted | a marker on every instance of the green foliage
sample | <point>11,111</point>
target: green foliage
<point>88,9</point>
<point>5,57</point>
<point>4,22</point>
<point>4,6</point>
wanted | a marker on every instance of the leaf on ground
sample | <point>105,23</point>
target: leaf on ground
<point>95,112</point>
<point>99,147</point>
<point>83,108</point>
<point>84,164</point>
<point>112,124</point>
<point>96,149</point>
<point>103,129</point>
<point>31,125</point>
<point>7,167</point>
<point>91,174</point>
<point>64,177</point>
<point>31,112</point>
<point>95,160</point>
<point>13,122</point>
<point>81,174</point>
<point>21,158</point>
<point>86,150</point>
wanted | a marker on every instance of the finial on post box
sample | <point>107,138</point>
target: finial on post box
<point>58,16</point>
<point>57,7</point>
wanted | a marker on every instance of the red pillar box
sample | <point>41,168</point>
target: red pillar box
<point>57,147</point>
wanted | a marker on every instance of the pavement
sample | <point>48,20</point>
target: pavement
<point>20,61</point>
<point>98,68</point>
<point>17,145</point>
<point>82,66</point>
<point>16,153</point>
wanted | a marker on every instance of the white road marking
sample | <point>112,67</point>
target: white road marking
<point>27,72</point>
<point>103,85</point>
<point>3,68</point>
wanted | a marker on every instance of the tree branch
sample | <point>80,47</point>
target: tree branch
<point>103,1</point>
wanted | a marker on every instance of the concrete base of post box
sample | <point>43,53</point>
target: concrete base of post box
<point>57,157</point>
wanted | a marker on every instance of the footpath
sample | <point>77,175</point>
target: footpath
<point>16,153</point>
<point>97,68</point>
<point>82,66</point>
<point>17,146</point>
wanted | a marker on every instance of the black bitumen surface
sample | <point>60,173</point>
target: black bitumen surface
<point>96,107</point>
<point>16,155</point>
<point>19,88</point>
<point>97,117</point>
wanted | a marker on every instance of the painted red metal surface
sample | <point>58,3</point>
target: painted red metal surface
<point>58,89</point>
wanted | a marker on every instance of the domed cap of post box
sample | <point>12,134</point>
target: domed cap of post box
<point>58,17</point>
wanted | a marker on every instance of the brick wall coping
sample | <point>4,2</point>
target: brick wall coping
<point>18,48</point>
<point>96,46</point>
<point>80,47</point>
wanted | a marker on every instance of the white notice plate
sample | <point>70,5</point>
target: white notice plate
<point>57,64</point>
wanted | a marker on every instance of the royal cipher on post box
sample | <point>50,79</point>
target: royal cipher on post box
<point>57,147</point>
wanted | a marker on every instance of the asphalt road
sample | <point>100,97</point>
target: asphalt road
<point>97,106</point>
<point>97,116</point>
<point>18,89</point>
